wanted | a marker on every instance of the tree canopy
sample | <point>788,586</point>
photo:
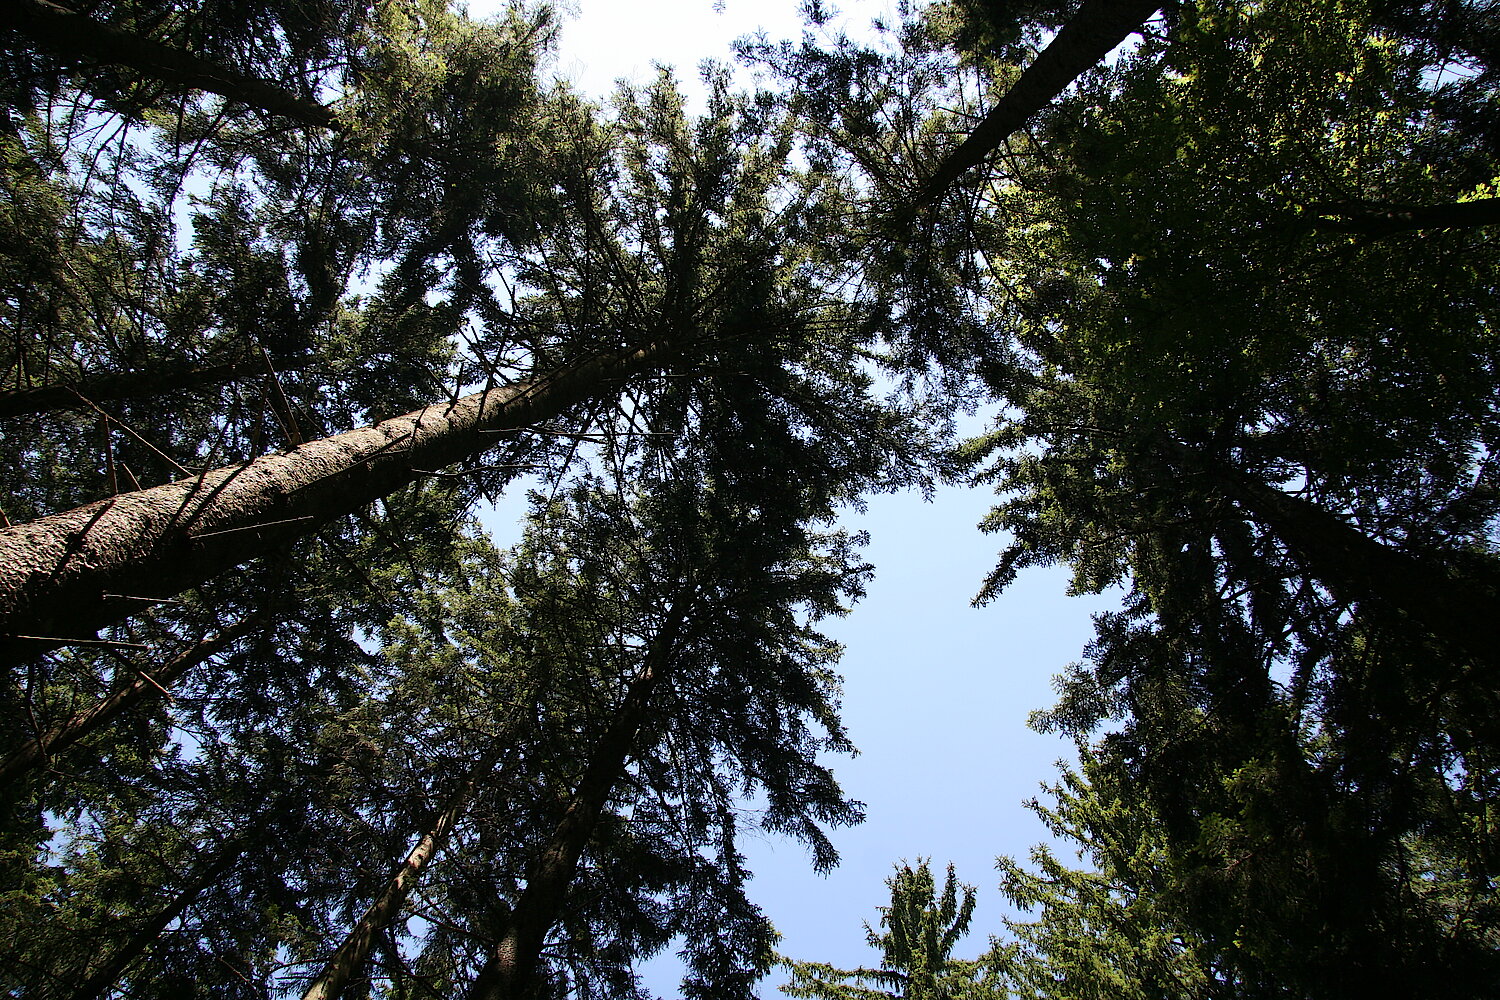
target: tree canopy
<point>292,290</point>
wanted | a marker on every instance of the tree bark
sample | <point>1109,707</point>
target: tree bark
<point>63,32</point>
<point>64,576</point>
<point>352,954</point>
<point>1097,28</point>
<point>36,752</point>
<point>1374,219</point>
<point>137,384</point>
<point>510,970</point>
<point>107,975</point>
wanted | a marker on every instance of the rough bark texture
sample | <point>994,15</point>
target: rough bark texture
<point>36,752</point>
<point>73,36</point>
<point>510,970</point>
<point>1097,28</point>
<point>351,956</point>
<point>64,576</point>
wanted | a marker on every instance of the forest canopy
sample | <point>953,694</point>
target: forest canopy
<point>292,291</point>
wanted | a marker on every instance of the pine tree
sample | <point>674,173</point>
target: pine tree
<point>916,963</point>
<point>1240,394</point>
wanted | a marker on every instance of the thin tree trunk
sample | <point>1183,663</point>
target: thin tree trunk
<point>1085,40</point>
<point>137,384</point>
<point>116,965</point>
<point>144,688</point>
<point>64,576</point>
<point>70,35</point>
<point>509,971</point>
<point>351,956</point>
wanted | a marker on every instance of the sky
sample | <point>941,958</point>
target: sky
<point>936,692</point>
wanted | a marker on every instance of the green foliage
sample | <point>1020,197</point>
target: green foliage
<point>1234,290</point>
<point>1111,928</point>
<point>1268,427</point>
<point>922,927</point>
<point>457,225</point>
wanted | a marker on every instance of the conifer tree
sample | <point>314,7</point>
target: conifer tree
<point>922,927</point>
<point>1266,413</point>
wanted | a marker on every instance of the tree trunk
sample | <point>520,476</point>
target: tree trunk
<point>509,971</point>
<point>70,35</point>
<point>1456,604</point>
<point>107,975</point>
<point>1377,220</point>
<point>190,376</point>
<point>1084,41</point>
<point>36,752</point>
<point>64,576</point>
<point>351,956</point>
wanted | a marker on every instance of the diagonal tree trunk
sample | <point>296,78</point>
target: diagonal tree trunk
<point>1457,604</point>
<point>36,752</point>
<point>352,955</point>
<point>66,575</point>
<point>1452,597</point>
<point>1097,28</point>
<point>66,33</point>
<point>510,970</point>
<point>114,967</point>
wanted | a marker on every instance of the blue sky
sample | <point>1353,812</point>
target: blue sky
<point>936,692</point>
<point>936,696</point>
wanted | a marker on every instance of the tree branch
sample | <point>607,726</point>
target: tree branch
<point>1374,219</point>
<point>1096,29</point>
<point>70,35</point>
<point>173,377</point>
